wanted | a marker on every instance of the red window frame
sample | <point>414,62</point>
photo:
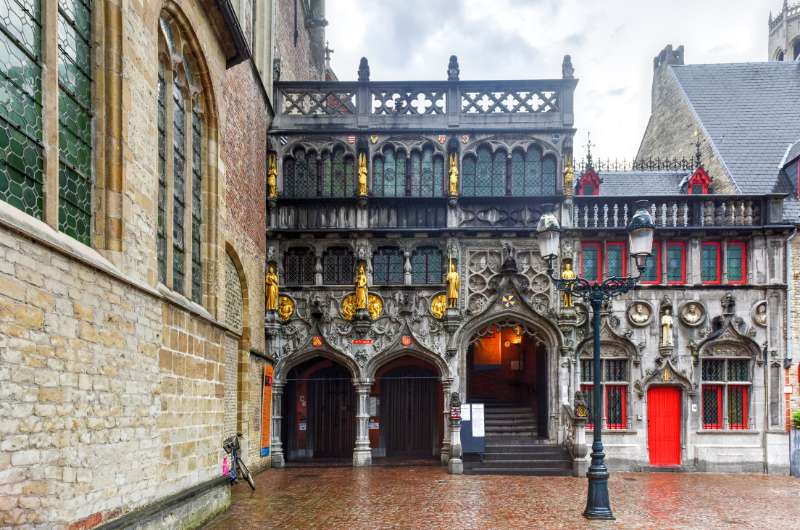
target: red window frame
<point>739,426</point>
<point>596,245</point>
<point>590,178</point>
<point>719,390</point>
<point>682,246</point>
<point>624,393</point>
<point>743,248</point>
<point>698,178</point>
<point>719,262</point>
<point>622,246</point>
<point>657,255</point>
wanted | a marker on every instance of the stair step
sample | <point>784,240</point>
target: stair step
<point>509,421</point>
<point>532,462</point>
<point>525,471</point>
<point>526,455</point>
<point>508,410</point>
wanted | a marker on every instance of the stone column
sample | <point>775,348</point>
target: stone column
<point>445,450</point>
<point>362,454</point>
<point>277,459</point>
<point>579,448</point>
<point>455,465</point>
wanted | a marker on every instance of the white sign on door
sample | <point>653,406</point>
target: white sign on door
<point>477,420</point>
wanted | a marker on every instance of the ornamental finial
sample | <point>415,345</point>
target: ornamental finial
<point>589,150</point>
<point>698,157</point>
<point>363,70</point>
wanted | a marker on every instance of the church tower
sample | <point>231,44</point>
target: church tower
<point>784,33</point>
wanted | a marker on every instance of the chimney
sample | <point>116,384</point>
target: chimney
<point>668,56</point>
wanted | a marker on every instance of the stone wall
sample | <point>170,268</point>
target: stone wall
<point>671,130</point>
<point>295,54</point>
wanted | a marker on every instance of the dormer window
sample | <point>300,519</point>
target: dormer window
<point>589,183</point>
<point>699,182</point>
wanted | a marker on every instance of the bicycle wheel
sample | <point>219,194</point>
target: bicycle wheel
<point>244,472</point>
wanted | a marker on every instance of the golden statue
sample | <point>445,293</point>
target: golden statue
<point>453,284</point>
<point>362,174</point>
<point>272,177</point>
<point>361,287</point>
<point>348,306</point>
<point>569,177</point>
<point>567,274</point>
<point>375,306</point>
<point>439,305</point>
<point>271,283</point>
<point>453,175</point>
<point>285,308</point>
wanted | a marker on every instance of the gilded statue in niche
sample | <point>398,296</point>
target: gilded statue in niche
<point>271,283</point>
<point>348,306</point>
<point>567,274</point>
<point>569,177</point>
<point>272,176</point>
<point>453,174</point>
<point>362,175</point>
<point>285,308</point>
<point>361,287</point>
<point>439,305</point>
<point>453,285</point>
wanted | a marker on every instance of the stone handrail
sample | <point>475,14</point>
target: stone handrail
<point>423,104</point>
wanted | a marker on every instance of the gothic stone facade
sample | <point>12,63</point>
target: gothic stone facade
<point>508,142</point>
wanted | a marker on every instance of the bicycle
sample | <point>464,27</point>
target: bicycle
<point>231,446</point>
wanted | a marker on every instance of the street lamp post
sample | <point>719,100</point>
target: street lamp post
<point>640,243</point>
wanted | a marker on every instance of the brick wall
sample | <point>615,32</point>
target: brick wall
<point>297,63</point>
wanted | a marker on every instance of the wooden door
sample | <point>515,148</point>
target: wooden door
<point>664,425</point>
<point>408,403</point>
<point>332,413</point>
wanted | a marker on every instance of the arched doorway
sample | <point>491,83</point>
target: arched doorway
<point>405,420</point>
<point>319,411</point>
<point>507,371</point>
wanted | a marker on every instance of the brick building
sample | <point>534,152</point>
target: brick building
<point>132,251</point>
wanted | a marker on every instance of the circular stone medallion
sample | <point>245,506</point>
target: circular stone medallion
<point>759,313</point>
<point>639,313</point>
<point>692,314</point>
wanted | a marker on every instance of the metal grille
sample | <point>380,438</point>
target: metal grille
<point>337,266</point>
<point>712,406</point>
<point>713,370</point>
<point>197,203</point>
<point>178,180</point>
<point>75,119</point>
<point>161,243</point>
<point>427,266</point>
<point>738,370</point>
<point>737,407</point>
<point>615,406</point>
<point>387,266</point>
<point>21,151</point>
<point>298,266</point>
<point>587,370</point>
<point>615,370</point>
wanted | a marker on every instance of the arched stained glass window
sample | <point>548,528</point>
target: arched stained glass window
<point>387,266</point>
<point>499,174</point>
<point>438,176</point>
<point>338,265</point>
<point>427,266</point>
<point>530,175</point>
<point>298,266</point>
<point>534,182</point>
<point>484,176</point>
<point>329,174</point>
<point>182,166</point>
<point>549,176</point>
<point>468,176</point>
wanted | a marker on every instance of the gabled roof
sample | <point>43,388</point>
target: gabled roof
<point>627,183</point>
<point>751,113</point>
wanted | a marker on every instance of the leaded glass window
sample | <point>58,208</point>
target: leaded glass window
<point>419,174</point>
<point>21,151</point>
<point>181,168</point>
<point>614,383</point>
<point>389,183</point>
<point>676,266</point>
<point>531,174</point>
<point>735,262</point>
<point>338,266</point>
<point>298,266</point>
<point>75,118</point>
<point>387,266</point>
<point>652,265</point>
<point>615,259</point>
<point>726,383</point>
<point>590,261</point>
<point>427,266</point>
<point>309,174</point>
<point>549,176</point>
<point>499,174</point>
<point>709,271</point>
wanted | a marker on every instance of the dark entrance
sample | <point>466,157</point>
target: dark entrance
<point>507,369</point>
<point>320,409</point>
<point>408,423</point>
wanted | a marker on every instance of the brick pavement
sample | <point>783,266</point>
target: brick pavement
<point>427,497</point>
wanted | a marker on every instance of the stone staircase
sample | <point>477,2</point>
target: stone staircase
<point>512,446</point>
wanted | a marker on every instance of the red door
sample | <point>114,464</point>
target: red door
<point>664,425</point>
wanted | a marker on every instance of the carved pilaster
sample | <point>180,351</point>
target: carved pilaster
<point>362,454</point>
<point>277,446</point>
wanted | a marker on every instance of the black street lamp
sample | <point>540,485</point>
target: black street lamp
<point>640,244</point>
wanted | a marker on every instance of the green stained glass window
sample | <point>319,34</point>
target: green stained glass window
<point>499,174</point>
<point>734,262</point>
<point>675,264</point>
<point>75,119</point>
<point>400,173</point>
<point>415,174</point>
<point>651,268</point>
<point>349,177</point>
<point>427,266</point>
<point>179,187</point>
<point>162,178</point>
<point>549,176</point>
<point>533,172</point>
<point>377,176</point>
<point>591,262</point>
<point>197,203</point>
<point>615,256</point>
<point>518,174</point>
<point>426,173</point>
<point>388,183</point>
<point>483,179</point>
<point>468,178</point>
<point>338,185</point>
<point>438,176</point>
<point>21,152</point>
<point>526,173</point>
<point>387,266</point>
<point>710,263</point>
<point>327,171</point>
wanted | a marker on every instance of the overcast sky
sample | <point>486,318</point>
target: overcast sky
<point>612,43</point>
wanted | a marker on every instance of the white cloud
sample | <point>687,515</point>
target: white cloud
<point>612,44</point>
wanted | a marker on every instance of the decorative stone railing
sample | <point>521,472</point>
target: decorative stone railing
<point>423,104</point>
<point>346,214</point>
<point>680,212</point>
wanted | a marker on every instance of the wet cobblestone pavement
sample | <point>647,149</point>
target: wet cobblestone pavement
<point>427,497</point>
